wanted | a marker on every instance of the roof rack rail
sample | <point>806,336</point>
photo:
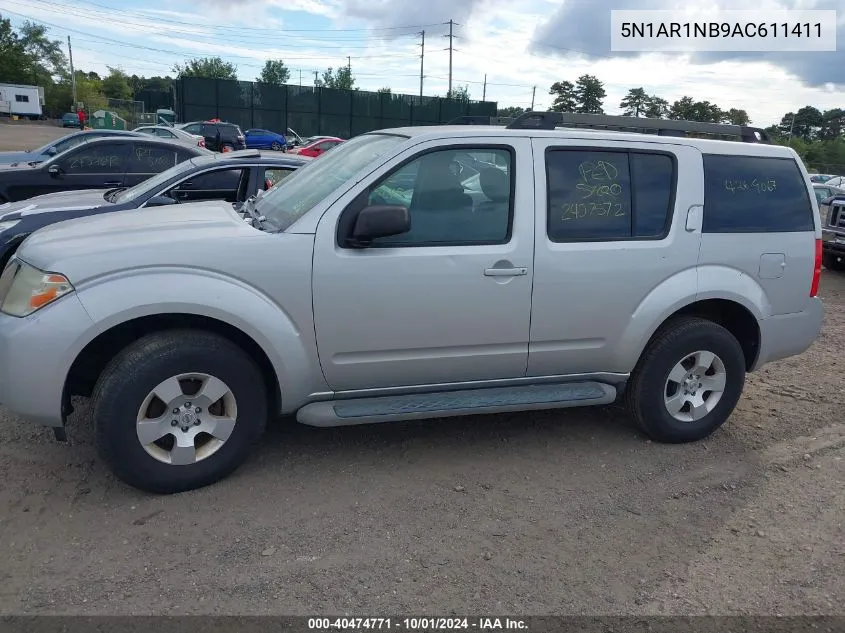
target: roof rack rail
<point>480,120</point>
<point>662,127</point>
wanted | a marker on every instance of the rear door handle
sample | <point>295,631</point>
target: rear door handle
<point>505,272</point>
<point>112,183</point>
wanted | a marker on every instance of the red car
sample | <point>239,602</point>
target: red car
<point>318,147</point>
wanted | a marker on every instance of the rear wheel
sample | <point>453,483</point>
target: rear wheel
<point>276,146</point>
<point>687,382</point>
<point>178,410</point>
<point>832,261</point>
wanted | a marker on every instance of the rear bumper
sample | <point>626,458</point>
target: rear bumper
<point>788,335</point>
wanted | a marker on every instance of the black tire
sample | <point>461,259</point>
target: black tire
<point>135,372</point>
<point>680,338</point>
<point>276,146</point>
<point>833,262</point>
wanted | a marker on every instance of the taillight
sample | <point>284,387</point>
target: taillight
<point>201,142</point>
<point>817,270</point>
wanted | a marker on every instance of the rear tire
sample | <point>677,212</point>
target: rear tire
<point>833,262</point>
<point>675,369</point>
<point>276,146</point>
<point>187,438</point>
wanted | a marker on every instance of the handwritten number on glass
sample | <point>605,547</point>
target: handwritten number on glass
<point>757,185</point>
<point>599,193</point>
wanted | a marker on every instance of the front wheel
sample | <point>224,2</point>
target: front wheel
<point>687,382</point>
<point>178,410</point>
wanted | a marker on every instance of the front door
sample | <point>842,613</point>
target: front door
<point>91,166</point>
<point>448,302</point>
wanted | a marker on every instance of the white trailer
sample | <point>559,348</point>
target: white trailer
<point>25,101</point>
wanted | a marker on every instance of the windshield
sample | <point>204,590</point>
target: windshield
<point>151,183</point>
<point>315,181</point>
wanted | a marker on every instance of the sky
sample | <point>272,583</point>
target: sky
<point>522,46</point>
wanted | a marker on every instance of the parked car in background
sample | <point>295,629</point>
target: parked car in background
<point>257,138</point>
<point>100,163</point>
<point>825,191</point>
<point>70,119</point>
<point>164,131</point>
<point>58,146</point>
<point>318,147</point>
<point>219,137</point>
<point>233,177</point>
<point>836,181</point>
<point>821,177</point>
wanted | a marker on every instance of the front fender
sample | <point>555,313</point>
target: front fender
<point>287,338</point>
<point>679,291</point>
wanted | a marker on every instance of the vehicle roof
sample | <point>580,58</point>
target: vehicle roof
<point>253,156</point>
<point>707,146</point>
<point>157,141</point>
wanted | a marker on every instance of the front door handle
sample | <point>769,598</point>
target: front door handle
<point>112,183</point>
<point>505,272</point>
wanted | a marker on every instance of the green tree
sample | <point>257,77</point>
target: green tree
<point>589,94</point>
<point>117,84</point>
<point>657,108</point>
<point>804,124</point>
<point>635,102</point>
<point>208,67</point>
<point>736,117</point>
<point>459,93</point>
<point>46,55</point>
<point>340,79</point>
<point>385,91</point>
<point>833,124</point>
<point>565,100</point>
<point>15,63</point>
<point>274,72</point>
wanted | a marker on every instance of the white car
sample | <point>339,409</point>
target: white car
<point>163,131</point>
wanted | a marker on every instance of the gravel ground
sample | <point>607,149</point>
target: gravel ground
<point>19,135</point>
<point>568,512</point>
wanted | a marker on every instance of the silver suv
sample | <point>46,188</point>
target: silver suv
<point>423,272</point>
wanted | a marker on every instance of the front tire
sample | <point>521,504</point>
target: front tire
<point>687,382</point>
<point>178,410</point>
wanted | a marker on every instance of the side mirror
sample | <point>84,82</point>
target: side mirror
<point>52,151</point>
<point>379,221</point>
<point>160,201</point>
<point>55,170</point>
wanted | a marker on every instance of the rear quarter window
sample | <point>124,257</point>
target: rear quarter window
<point>752,194</point>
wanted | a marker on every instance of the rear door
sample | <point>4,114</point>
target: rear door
<point>758,221</point>
<point>611,227</point>
<point>148,159</point>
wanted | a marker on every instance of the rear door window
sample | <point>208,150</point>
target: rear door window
<point>151,159</point>
<point>754,194</point>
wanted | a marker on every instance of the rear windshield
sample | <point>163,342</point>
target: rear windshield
<point>753,194</point>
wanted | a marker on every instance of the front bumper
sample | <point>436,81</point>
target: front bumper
<point>833,242</point>
<point>36,353</point>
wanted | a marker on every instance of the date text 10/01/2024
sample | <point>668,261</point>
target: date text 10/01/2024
<point>417,624</point>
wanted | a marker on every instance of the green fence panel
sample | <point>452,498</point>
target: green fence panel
<point>482,108</point>
<point>450,109</point>
<point>426,109</point>
<point>302,99</point>
<point>272,120</point>
<point>334,125</point>
<point>303,123</point>
<point>368,104</point>
<point>269,97</point>
<point>362,125</point>
<point>335,102</point>
<point>398,107</point>
<point>199,91</point>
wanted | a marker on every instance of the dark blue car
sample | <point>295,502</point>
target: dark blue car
<point>257,138</point>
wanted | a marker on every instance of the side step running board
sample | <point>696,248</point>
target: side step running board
<point>454,403</point>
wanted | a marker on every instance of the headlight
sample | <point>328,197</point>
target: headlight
<point>7,224</point>
<point>824,211</point>
<point>25,289</point>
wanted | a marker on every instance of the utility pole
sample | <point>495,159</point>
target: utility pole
<point>484,92</point>
<point>533,92</point>
<point>451,48</point>
<point>422,60</point>
<point>315,78</point>
<point>791,125</point>
<point>300,77</point>
<point>349,63</point>
<point>72,74</point>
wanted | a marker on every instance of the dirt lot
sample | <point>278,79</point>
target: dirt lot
<point>16,136</point>
<point>551,513</point>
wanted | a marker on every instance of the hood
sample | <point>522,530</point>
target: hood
<point>7,158</point>
<point>59,201</point>
<point>99,244</point>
